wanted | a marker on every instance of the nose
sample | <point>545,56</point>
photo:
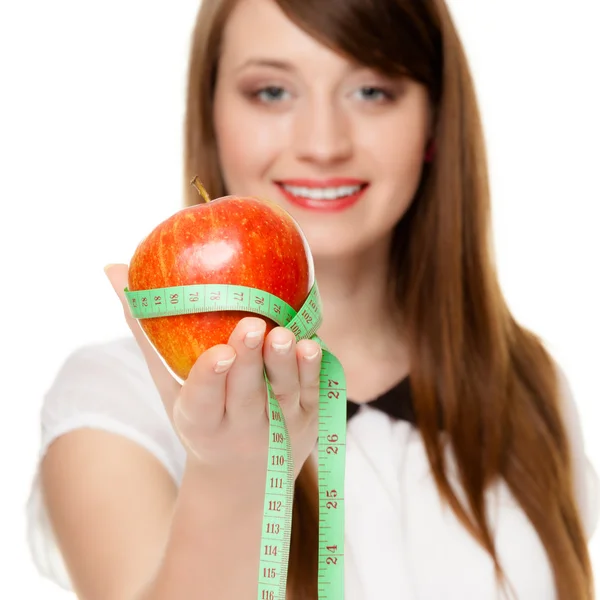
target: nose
<point>322,133</point>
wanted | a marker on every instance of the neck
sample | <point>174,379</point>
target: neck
<point>356,310</point>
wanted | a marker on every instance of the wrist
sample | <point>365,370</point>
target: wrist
<point>234,487</point>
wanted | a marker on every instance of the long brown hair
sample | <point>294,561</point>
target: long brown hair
<point>488,381</point>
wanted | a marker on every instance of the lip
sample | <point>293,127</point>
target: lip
<point>322,205</point>
<point>321,183</point>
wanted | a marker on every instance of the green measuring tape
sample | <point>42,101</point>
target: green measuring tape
<point>279,490</point>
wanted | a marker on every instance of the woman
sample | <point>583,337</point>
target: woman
<point>466,473</point>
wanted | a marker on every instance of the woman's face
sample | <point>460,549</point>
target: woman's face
<point>339,146</point>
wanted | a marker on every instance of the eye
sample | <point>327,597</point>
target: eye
<point>374,94</point>
<point>270,94</point>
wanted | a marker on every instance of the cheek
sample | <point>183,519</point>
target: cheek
<point>399,156</point>
<point>245,140</point>
<point>232,138</point>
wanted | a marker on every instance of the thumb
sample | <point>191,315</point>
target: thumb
<point>168,387</point>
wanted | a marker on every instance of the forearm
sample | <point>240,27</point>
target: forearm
<point>214,544</point>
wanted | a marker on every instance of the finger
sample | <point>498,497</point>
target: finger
<point>246,388</point>
<point>282,369</point>
<point>200,406</point>
<point>309,355</point>
<point>167,386</point>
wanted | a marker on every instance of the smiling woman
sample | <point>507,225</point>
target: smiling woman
<point>466,473</point>
<point>310,127</point>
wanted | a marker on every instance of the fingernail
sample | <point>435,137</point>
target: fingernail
<point>281,348</point>
<point>312,356</point>
<point>224,365</point>
<point>253,339</point>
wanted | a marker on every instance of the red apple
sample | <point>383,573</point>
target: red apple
<point>231,240</point>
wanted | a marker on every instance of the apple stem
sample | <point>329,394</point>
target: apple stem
<point>198,185</point>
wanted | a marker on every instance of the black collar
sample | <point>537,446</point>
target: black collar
<point>396,402</point>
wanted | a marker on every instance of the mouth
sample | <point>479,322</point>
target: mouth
<point>324,195</point>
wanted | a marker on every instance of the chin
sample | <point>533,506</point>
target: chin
<point>332,245</point>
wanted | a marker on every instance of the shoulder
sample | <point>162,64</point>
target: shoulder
<point>112,371</point>
<point>120,356</point>
<point>587,483</point>
<point>108,386</point>
<point>116,368</point>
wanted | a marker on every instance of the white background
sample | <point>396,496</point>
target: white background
<point>91,113</point>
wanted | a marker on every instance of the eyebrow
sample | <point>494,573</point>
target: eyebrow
<point>267,62</point>
<point>283,65</point>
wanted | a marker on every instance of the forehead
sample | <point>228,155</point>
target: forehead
<point>260,28</point>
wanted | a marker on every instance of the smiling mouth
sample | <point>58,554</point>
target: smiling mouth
<point>322,193</point>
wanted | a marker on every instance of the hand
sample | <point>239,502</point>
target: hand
<point>221,411</point>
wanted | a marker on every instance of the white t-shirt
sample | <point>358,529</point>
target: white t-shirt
<point>410,547</point>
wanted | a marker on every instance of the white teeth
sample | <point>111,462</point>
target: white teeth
<point>328,193</point>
